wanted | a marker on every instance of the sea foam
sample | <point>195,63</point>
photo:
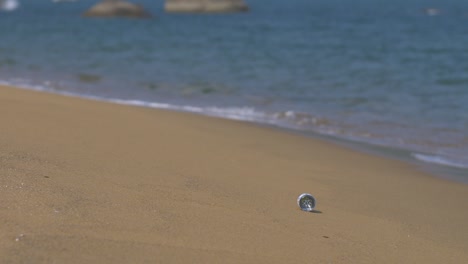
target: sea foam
<point>439,160</point>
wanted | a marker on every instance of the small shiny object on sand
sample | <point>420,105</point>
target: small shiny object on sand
<point>306,202</point>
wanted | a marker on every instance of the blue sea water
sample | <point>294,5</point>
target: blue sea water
<point>384,73</point>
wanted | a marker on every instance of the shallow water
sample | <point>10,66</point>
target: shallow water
<point>380,72</point>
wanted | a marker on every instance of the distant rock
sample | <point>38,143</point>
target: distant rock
<point>117,8</point>
<point>9,5</point>
<point>205,6</point>
<point>431,11</point>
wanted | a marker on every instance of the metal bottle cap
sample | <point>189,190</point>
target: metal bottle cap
<point>306,202</point>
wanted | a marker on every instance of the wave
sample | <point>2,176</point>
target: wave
<point>236,113</point>
<point>305,122</point>
<point>439,160</point>
<point>287,119</point>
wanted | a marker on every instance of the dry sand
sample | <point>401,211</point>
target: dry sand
<point>91,182</point>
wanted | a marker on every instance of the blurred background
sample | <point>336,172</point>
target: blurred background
<point>392,74</point>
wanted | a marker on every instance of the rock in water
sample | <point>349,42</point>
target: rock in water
<point>117,8</point>
<point>8,5</point>
<point>205,6</point>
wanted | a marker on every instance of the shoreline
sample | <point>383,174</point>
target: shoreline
<point>98,182</point>
<point>437,168</point>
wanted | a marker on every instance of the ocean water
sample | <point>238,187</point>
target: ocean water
<point>388,74</point>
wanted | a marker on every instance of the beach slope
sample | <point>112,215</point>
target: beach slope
<point>91,182</point>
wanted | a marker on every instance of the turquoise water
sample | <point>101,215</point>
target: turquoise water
<point>384,73</point>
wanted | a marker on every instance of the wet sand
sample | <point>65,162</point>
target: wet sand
<point>91,182</point>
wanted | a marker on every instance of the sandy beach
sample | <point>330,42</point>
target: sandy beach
<point>83,181</point>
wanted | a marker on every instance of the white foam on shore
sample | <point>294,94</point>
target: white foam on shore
<point>235,113</point>
<point>285,119</point>
<point>434,159</point>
